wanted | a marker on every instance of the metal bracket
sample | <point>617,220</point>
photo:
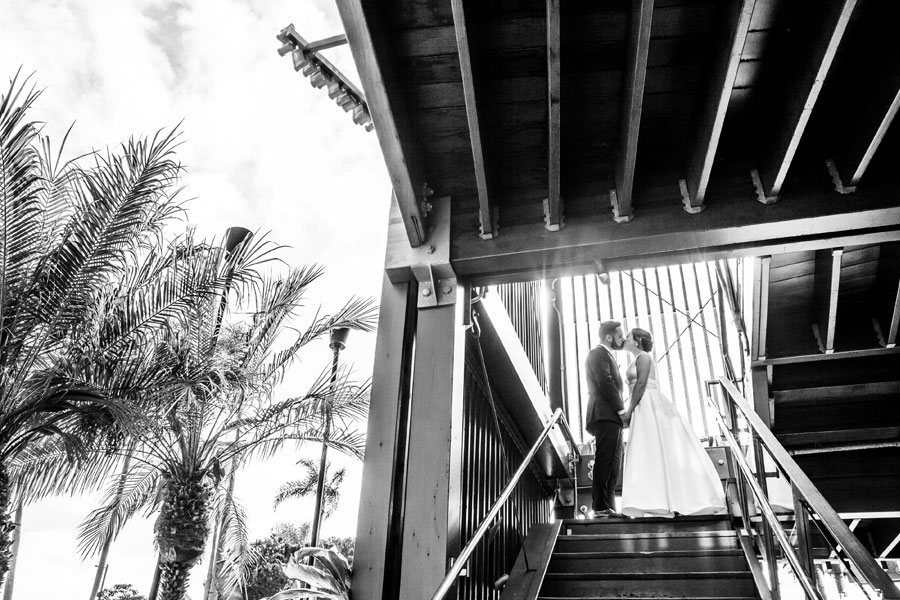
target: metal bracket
<point>819,341</point>
<point>434,290</point>
<point>547,224</point>
<point>686,199</point>
<point>836,179</point>
<point>760,192</point>
<point>618,217</point>
<point>495,227</point>
<point>878,333</point>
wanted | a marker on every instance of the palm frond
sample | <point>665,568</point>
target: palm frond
<point>239,557</point>
<point>129,492</point>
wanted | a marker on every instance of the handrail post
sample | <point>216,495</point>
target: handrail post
<point>804,543</point>
<point>768,537</point>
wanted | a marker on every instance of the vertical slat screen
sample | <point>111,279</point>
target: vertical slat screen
<point>677,304</point>
<point>484,477</point>
<point>526,311</point>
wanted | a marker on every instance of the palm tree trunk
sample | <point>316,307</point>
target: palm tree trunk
<point>107,543</point>
<point>181,532</point>
<point>6,524</point>
<point>14,553</point>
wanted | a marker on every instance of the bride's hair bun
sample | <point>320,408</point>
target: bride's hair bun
<point>643,338</point>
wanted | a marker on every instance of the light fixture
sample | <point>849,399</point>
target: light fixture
<point>322,74</point>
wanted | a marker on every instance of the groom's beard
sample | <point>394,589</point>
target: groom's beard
<point>616,346</point>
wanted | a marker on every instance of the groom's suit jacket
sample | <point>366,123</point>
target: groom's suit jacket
<point>604,388</point>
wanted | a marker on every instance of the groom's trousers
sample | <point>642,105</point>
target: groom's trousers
<point>607,458</point>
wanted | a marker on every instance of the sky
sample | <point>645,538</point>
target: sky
<point>262,149</point>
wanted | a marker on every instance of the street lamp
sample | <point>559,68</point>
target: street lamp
<point>338,342</point>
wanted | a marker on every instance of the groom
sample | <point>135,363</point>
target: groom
<point>605,411</point>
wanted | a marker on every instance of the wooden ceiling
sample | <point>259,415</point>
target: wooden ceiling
<point>549,113</point>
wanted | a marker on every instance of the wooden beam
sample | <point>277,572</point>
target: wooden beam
<point>887,550</point>
<point>553,208</point>
<point>887,299</point>
<point>826,287</point>
<point>760,307</point>
<point>483,183</point>
<point>632,104</point>
<point>803,87</point>
<point>370,40</point>
<point>665,234</point>
<point>762,406</point>
<point>721,82</point>
<point>376,561</point>
<point>791,360</point>
<point>870,104</point>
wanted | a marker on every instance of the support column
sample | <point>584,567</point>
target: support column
<point>376,567</point>
<point>433,491</point>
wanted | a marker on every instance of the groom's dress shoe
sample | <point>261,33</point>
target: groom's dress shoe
<point>608,514</point>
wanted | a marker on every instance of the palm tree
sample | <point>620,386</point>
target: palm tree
<point>306,486</point>
<point>210,408</point>
<point>66,234</point>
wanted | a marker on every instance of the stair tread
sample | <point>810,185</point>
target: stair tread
<point>657,575</point>
<point>675,521</point>
<point>613,554</point>
<point>648,535</point>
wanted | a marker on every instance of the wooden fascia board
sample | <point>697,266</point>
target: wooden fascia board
<point>632,105</point>
<point>667,233</point>
<point>474,117</point>
<point>368,37</point>
<point>802,99</point>
<point>554,208</point>
<point>721,82</point>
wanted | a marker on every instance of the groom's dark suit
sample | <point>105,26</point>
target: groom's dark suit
<point>604,423</point>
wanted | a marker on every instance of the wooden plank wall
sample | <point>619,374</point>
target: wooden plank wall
<point>484,476</point>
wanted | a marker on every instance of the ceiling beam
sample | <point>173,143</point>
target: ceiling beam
<point>803,87</point>
<point>370,39</point>
<point>721,81</point>
<point>887,549</point>
<point>825,289</point>
<point>483,184</point>
<point>761,267</point>
<point>665,234</point>
<point>553,207</point>
<point>887,309</point>
<point>869,107</point>
<point>632,103</point>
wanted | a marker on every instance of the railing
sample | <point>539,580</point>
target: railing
<point>485,525</point>
<point>810,507</point>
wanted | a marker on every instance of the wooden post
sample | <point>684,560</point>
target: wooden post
<point>376,559</point>
<point>760,382</point>
<point>804,544</point>
<point>760,325</point>
<point>431,503</point>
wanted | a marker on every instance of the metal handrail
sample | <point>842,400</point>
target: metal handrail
<point>864,565</point>
<point>485,524</point>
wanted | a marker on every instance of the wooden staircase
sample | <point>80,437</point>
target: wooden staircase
<point>687,558</point>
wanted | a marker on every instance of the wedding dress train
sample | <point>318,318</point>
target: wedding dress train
<point>667,471</point>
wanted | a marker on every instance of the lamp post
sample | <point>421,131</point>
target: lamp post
<point>338,342</point>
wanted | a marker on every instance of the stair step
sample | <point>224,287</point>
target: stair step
<point>647,562</point>
<point>723,584</point>
<point>647,542</point>
<point>542,597</point>
<point>657,525</point>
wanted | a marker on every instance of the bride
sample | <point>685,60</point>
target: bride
<point>667,471</point>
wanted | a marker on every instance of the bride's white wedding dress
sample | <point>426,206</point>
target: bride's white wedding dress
<point>667,471</point>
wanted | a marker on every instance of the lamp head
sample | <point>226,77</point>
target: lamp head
<point>234,236</point>
<point>339,338</point>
